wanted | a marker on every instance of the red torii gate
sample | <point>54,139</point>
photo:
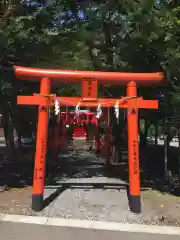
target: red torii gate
<point>89,81</point>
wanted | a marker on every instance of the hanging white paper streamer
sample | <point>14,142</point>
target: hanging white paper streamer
<point>99,111</point>
<point>57,107</point>
<point>77,110</point>
<point>116,109</point>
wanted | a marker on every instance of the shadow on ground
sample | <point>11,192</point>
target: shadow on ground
<point>83,164</point>
<point>85,187</point>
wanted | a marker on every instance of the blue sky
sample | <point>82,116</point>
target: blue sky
<point>31,3</point>
<point>36,3</point>
<point>60,18</point>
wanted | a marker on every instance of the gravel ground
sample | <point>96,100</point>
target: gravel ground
<point>84,190</point>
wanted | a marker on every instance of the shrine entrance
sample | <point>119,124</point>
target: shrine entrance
<point>89,81</point>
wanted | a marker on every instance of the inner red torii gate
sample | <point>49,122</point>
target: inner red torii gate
<point>89,81</point>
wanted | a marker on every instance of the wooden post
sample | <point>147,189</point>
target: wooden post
<point>41,148</point>
<point>133,152</point>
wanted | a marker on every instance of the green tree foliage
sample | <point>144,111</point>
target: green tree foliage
<point>26,40</point>
<point>132,36</point>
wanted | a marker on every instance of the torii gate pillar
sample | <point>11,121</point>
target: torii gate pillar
<point>41,147</point>
<point>133,151</point>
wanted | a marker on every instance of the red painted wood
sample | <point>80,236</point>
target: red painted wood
<point>70,76</point>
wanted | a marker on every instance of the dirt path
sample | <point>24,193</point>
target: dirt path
<point>85,190</point>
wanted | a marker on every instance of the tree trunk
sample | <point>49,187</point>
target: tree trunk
<point>143,136</point>
<point>156,133</point>
<point>179,160</point>
<point>170,136</point>
<point>9,134</point>
<point>18,127</point>
<point>109,54</point>
<point>166,144</point>
<point>5,129</point>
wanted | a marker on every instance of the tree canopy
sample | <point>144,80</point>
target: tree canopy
<point>132,36</point>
